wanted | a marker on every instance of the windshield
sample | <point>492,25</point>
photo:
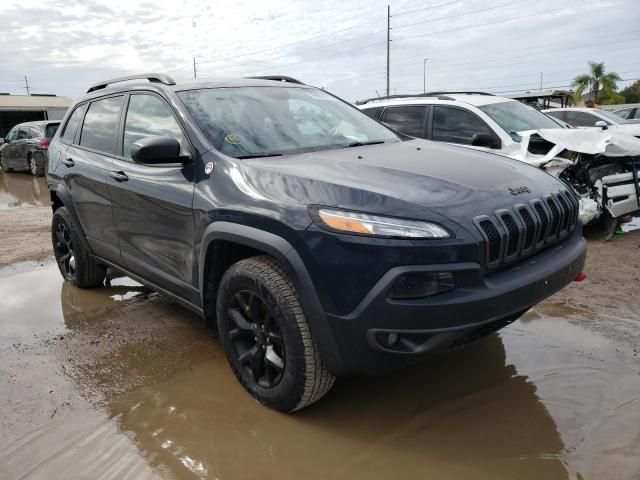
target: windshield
<point>514,117</point>
<point>262,121</point>
<point>612,116</point>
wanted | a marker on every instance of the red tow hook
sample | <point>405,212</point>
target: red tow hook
<point>580,277</point>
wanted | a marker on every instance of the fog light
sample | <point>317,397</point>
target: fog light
<point>392,338</point>
<point>422,284</point>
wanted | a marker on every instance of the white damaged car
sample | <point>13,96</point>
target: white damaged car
<point>601,164</point>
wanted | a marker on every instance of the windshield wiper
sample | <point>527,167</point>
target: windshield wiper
<point>362,144</point>
<point>259,155</point>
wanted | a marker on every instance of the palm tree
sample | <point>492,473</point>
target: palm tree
<point>596,81</point>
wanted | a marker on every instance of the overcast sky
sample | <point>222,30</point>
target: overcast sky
<point>495,45</point>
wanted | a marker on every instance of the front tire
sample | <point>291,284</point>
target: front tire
<point>266,338</point>
<point>72,252</point>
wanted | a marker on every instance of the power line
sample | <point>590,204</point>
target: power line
<point>448,17</point>
<point>446,4</point>
<point>502,20</point>
<point>533,47</point>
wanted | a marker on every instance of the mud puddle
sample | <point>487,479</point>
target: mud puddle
<point>121,383</point>
<point>19,190</point>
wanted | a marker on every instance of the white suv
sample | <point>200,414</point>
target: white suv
<point>599,164</point>
<point>478,120</point>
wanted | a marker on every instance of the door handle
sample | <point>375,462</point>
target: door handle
<point>68,162</point>
<point>119,176</point>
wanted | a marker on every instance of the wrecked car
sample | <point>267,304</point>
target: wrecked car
<point>601,166</point>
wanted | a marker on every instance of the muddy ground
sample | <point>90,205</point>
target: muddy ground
<point>120,383</point>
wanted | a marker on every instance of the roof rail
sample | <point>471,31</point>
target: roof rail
<point>278,78</point>
<point>439,95</point>
<point>152,77</point>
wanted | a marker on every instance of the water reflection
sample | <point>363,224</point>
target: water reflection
<point>18,190</point>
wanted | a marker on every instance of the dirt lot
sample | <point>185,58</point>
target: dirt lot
<point>121,383</point>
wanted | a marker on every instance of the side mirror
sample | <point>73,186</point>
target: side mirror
<point>485,140</point>
<point>157,150</point>
<point>602,124</point>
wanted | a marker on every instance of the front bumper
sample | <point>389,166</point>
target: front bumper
<point>480,304</point>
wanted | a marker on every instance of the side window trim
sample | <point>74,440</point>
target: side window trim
<point>63,125</point>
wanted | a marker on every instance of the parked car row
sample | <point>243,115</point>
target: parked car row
<point>600,164</point>
<point>25,147</point>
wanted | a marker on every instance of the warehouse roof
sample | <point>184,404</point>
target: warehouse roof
<point>33,102</point>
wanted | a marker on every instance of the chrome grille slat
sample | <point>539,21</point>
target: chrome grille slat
<point>517,232</point>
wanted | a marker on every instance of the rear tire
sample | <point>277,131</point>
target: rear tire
<point>3,165</point>
<point>266,337</point>
<point>72,252</point>
<point>34,169</point>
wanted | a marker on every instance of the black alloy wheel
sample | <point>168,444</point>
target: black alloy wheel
<point>63,250</point>
<point>256,341</point>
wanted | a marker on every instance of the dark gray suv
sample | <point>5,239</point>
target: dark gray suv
<point>26,145</point>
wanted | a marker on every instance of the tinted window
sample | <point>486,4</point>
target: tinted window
<point>71,127</point>
<point>582,119</point>
<point>409,120</point>
<point>373,112</point>
<point>22,133</point>
<point>51,129</point>
<point>148,116</point>
<point>559,114</point>
<point>455,125</point>
<point>100,126</point>
<point>636,113</point>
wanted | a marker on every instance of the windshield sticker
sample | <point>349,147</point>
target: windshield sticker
<point>233,139</point>
<point>318,94</point>
<point>208,168</point>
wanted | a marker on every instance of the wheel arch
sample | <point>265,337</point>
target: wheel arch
<point>259,242</point>
<point>60,197</point>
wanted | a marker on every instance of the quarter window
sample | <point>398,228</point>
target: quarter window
<point>71,127</point>
<point>455,125</point>
<point>148,116</point>
<point>34,132</point>
<point>100,126</point>
<point>13,134</point>
<point>408,120</point>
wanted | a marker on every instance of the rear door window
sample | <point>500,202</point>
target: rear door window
<point>100,127</point>
<point>582,119</point>
<point>373,112</point>
<point>71,127</point>
<point>34,132</point>
<point>408,120</point>
<point>455,125</point>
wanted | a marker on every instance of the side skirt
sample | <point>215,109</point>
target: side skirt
<point>152,286</point>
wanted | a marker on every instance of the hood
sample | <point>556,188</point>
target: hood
<point>413,179</point>
<point>610,142</point>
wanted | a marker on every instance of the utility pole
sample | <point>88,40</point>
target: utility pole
<point>424,76</point>
<point>26,83</point>
<point>540,81</point>
<point>388,43</point>
<point>194,68</point>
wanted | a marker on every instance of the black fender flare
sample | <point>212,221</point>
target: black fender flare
<point>283,251</point>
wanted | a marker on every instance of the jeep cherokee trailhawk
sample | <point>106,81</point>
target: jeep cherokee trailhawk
<point>318,241</point>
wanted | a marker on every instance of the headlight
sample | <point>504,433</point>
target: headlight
<point>365,224</point>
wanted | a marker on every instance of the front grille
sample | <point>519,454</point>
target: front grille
<point>514,233</point>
